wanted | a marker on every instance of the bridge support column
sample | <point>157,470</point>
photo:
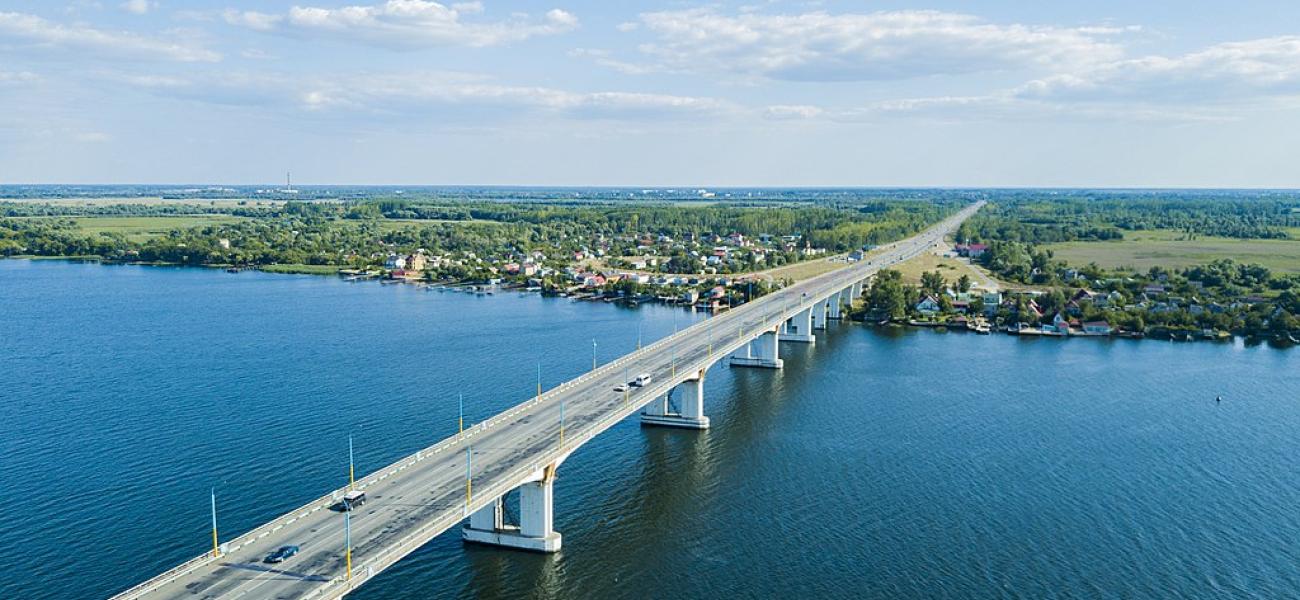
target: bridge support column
<point>759,352</point>
<point>857,291</point>
<point>799,328</point>
<point>535,531</point>
<point>819,311</point>
<point>836,302</point>
<point>657,407</point>
<point>690,404</point>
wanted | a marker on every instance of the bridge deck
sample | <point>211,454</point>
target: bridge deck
<point>423,495</point>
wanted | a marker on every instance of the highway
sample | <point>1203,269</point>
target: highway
<point>425,494</point>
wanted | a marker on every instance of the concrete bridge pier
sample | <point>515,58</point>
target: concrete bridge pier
<point>819,312</point>
<point>760,352</point>
<point>535,531</point>
<point>857,291</point>
<point>836,302</point>
<point>799,328</point>
<point>690,404</point>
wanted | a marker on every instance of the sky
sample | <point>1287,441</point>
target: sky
<point>976,93</point>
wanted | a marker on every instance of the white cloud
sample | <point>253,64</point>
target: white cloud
<point>412,95</point>
<point>252,19</point>
<point>16,77</point>
<point>605,59</point>
<point>36,33</point>
<point>1229,71</point>
<point>819,46</point>
<point>406,24</point>
<point>791,112</point>
<point>1219,83</point>
<point>138,7</point>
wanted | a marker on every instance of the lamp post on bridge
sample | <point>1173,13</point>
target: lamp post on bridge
<point>347,540</point>
<point>593,354</point>
<point>352,472</point>
<point>216,549</point>
<point>461,412</point>
<point>469,480</point>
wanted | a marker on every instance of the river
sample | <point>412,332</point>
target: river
<point>879,463</point>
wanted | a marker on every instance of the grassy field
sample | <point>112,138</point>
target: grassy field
<point>805,269</point>
<point>142,228</point>
<point>1142,250</point>
<point>952,269</point>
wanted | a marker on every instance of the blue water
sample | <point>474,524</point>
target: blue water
<point>877,464</point>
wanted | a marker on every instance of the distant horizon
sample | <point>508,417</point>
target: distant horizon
<point>634,187</point>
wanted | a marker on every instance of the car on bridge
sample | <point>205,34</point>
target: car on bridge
<point>281,554</point>
<point>622,387</point>
<point>352,500</point>
<point>642,380</point>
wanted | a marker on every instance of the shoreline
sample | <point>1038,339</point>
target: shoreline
<point>473,287</point>
<point>1222,337</point>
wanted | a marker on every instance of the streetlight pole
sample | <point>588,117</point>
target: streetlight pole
<point>461,409</point>
<point>638,335</point>
<point>347,538</point>
<point>216,549</point>
<point>352,479</point>
<point>469,481</point>
<point>539,380</point>
<point>593,354</point>
<point>561,422</point>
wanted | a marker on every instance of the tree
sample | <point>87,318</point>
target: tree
<point>887,294</point>
<point>932,282</point>
<point>964,283</point>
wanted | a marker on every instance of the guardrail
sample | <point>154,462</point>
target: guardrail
<point>810,290</point>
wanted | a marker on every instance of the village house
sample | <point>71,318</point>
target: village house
<point>1096,328</point>
<point>395,262</point>
<point>928,305</point>
<point>1060,324</point>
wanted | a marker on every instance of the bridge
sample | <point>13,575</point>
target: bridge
<point>462,480</point>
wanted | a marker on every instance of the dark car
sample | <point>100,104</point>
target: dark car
<point>282,554</point>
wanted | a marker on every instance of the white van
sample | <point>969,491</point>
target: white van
<point>352,500</point>
<point>642,380</point>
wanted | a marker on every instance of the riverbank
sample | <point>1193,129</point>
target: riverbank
<point>1046,331</point>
